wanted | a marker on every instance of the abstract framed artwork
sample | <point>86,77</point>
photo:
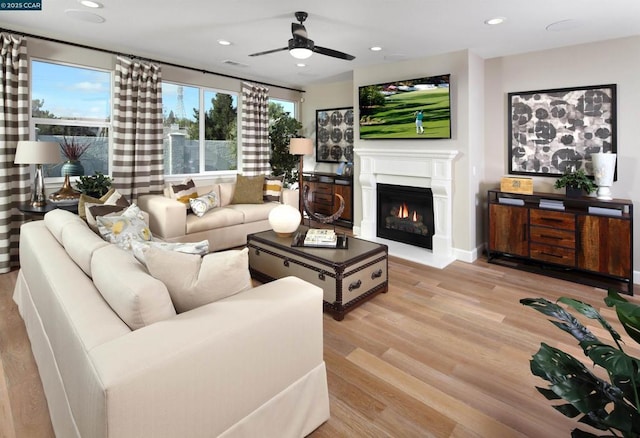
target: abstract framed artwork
<point>557,130</point>
<point>334,135</point>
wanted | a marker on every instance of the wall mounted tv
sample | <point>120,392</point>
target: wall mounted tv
<point>392,110</point>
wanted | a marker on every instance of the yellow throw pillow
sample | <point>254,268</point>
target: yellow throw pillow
<point>272,188</point>
<point>249,190</point>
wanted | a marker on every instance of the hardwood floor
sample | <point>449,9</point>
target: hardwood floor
<point>444,353</point>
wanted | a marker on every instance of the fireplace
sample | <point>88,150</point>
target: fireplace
<point>421,167</point>
<point>405,214</point>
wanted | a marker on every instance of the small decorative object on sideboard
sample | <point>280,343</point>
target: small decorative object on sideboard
<point>512,184</point>
<point>576,182</point>
<point>604,167</point>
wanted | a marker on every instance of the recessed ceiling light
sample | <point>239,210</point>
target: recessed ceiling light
<point>84,16</point>
<point>300,64</point>
<point>494,21</point>
<point>90,4</point>
<point>224,42</point>
<point>375,48</point>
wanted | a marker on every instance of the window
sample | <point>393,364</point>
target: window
<point>72,104</point>
<point>278,107</point>
<point>184,108</point>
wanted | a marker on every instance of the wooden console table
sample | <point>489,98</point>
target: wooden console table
<point>583,239</point>
<point>323,188</point>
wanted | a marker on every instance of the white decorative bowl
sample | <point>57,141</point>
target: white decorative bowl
<point>284,219</point>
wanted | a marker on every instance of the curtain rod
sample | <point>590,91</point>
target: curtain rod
<point>82,46</point>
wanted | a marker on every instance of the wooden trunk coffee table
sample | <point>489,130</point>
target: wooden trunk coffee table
<point>348,277</point>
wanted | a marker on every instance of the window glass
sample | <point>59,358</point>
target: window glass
<point>71,105</point>
<point>181,113</point>
<point>221,131</point>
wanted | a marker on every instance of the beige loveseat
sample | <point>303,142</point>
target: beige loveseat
<point>224,227</point>
<point>245,366</point>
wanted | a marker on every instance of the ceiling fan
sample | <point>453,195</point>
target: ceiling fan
<point>301,47</point>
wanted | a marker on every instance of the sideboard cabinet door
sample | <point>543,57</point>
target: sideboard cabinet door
<point>508,232</point>
<point>605,245</point>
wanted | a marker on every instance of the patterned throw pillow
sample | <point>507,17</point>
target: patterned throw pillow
<point>184,191</point>
<point>272,189</point>
<point>249,190</point>
<point>86,198</point>
<point>111,203</point>
<point>204,203</point>
<point>122,230</point>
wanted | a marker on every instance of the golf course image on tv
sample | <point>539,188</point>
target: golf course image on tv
<point>415,109</point>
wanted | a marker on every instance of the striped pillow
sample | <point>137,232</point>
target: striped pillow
<point>272,189</point>
<point>184,191</point>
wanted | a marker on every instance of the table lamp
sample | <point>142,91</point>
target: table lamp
<point>38,153</point>
<point>300,147</point>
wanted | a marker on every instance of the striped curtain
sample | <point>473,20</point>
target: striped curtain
<point>255,130</point>
<point>14,126</point>
<point>137,129</point>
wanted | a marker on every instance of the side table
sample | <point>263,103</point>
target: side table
<point>29,209</point>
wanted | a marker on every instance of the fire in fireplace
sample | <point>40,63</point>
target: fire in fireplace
<point>405,214</point>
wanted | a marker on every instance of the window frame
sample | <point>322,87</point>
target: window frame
<point>34,121</point>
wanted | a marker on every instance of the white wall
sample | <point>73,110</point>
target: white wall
<point>614,61</point>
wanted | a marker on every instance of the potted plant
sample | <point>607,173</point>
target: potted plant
<point>73,149</point>
<point>607,401</point>
<point>282,162</point>
<point>575,183</point>
<point>94,185</point>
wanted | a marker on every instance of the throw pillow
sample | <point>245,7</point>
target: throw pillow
<point>86,198</point>
<point>204,203</point>
<point>193,281</point>
<point>123,229</point>
<point>272,189</point>
<point>184,191</point>
<point>92,211</point>
<point>248,190</point>
<point>140,248</point>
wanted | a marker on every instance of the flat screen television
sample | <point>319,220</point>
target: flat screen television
<point>414,108</point>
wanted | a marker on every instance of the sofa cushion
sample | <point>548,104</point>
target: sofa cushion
<point>136,297</point>
<point>184,191</point>
<point>57,219</point>
<point>121,230</point>
<point>249,190</point>
<point>254,212</point>
<point>227,190</point>
<point>193,281</point>
<point>204,203</point>
<point>216,218</point>
<point>86,198</point>
<point>139,248</point>
<point>80,243</point>
<point>272,189</point>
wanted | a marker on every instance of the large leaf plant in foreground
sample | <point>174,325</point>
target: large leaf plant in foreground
<point>612,406</point>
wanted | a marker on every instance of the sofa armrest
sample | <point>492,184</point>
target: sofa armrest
<point>290,197</point>
<point>206,369</point>
<point>167,217</point>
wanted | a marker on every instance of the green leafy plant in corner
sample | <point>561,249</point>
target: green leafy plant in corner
<point>282,129</point>
<point>611,405</point>
<point>576,179</point>
<point>94,185</point>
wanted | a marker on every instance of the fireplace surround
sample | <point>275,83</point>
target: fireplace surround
<point>424,168</point>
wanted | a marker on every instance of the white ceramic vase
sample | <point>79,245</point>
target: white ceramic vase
<point>284,219</point>
<point>604,166</point>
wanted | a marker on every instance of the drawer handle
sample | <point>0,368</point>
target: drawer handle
<point>355,285</point>
<point>286,263</point>
<point>546,236</point>
<point>321,276</point>
<point>376,274</point>
<point>551,219</point>
<point>551,255</point>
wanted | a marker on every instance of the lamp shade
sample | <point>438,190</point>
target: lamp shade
<point>37,152</point>
<point>300,146</point>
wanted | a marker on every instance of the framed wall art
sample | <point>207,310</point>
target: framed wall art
<point>334,135</point>
<point>557,130</point>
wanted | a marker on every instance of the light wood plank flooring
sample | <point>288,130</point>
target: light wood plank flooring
<point>445,353</point>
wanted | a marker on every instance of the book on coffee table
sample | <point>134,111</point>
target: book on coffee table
<point>300,240</point>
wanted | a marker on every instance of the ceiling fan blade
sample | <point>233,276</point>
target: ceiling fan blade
<point>298,29</point>
<point>266,52</point>
<point>334,53</point>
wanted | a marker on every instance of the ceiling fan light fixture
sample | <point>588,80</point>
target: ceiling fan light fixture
<point>300,53</point>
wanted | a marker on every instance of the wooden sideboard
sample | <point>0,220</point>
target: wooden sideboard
<point>583,239</point>
<point>323,188</point>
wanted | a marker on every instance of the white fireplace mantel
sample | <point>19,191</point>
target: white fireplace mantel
<point>416,168</point>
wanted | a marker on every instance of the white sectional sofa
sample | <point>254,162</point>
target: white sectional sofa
<point>244,366</point>
<point>224,227</point>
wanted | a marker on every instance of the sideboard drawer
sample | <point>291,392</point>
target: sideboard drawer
<point>553,236</point>
<point>555,219</point>
<point>553,254</point>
